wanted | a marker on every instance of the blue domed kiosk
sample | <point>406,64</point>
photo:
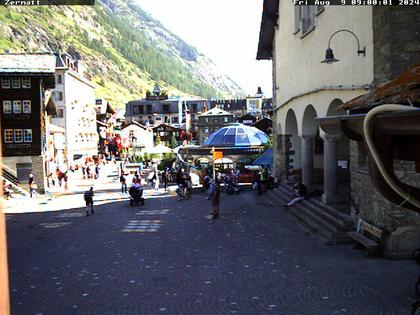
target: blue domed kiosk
<point>236,136</point>
<point>236,141</point>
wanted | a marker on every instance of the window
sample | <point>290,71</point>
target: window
<point>206,120</point>
<point>17,107</point>
<point>226,119</point>
<point>26,83</point>
<point>15,83</point>
<point>216,120</point>
<point>60,113</point>
<point>5,83</point>
<point>26,107</point>
<point>165,108</point>
<point>206,130</point>
<point>27,135</point>
<point>58,96</point>
<point>8,135</point>
<point>7,107</point>
<point>59,79</point>
<point>307,17</point>
<point>18,135</point>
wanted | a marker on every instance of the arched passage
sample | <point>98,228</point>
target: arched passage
<point>292,147</point>
<point>310,136</point>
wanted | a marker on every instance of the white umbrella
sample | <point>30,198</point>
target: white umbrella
<point>223,161</point>
<point>160,149</point>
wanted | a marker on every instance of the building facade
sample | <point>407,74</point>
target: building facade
<point>158,109</point>
<point>24,80</point>
<point>367,41</point>
<point>137,137</point>
<point>168,135</point>
<point>74,96</point>
<point>211,121</point>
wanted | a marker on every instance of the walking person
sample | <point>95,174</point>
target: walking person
<point>96,171</point>
<point>88,175</point>
<point>156,182</point>
<point>32,186</point>
<point>89,201</point>
<point>84,171</point>
<point>123,182</point>
<point>215,199</point>
<point>165,176</point>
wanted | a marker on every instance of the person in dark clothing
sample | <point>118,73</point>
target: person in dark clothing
<point>215,199</point>
<point>165,176</point>
<point>32,185</point>
<point>96,171</point>
<point>84,171</point>
<point>88,176</point>
<point>300,191</point>
<point>179,177</point>
<point>89,201</point>
<point>123,182</point>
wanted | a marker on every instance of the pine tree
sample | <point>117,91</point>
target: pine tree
<point>174,143</point>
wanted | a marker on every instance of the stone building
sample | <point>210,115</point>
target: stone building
<point>373,45</point>
<point>212,120</point>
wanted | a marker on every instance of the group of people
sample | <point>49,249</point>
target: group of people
<point>90,171</point>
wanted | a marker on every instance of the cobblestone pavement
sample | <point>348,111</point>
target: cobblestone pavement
<point>169,258</point>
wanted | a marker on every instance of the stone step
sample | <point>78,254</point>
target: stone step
<point>337,215</point>
<point>300,210</point>
<point>324,224</point>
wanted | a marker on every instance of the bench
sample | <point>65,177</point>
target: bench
<point>367,237</point>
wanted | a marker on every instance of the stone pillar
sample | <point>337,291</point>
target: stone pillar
<point>330,169</point>
<point>307,160</point>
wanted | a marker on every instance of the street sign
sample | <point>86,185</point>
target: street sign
<point>217,155</point>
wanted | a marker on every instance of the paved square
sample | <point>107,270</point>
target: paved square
<point>255,259</point>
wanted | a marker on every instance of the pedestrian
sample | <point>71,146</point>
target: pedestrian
<point>156,182</point>
<point>88,172</point>
<point>32,186</point>
<point>215,199</point>
<point>66,180</point>
<point>123,182</point>
<point>165,176</point>
<point>96,171</point>
<point>300,192</point>
<point>7,190</point>
<point>84,171</point>
<point>89,201</point>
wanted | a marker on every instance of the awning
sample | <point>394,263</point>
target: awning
<point>56,129</point>
<point>265,159</point>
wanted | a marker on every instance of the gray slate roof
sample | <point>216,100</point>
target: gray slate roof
<point>24,63</point>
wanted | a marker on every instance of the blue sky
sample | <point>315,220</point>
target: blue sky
<point>227,31</point>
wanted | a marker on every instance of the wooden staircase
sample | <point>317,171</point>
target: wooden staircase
<point>329,224</point>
